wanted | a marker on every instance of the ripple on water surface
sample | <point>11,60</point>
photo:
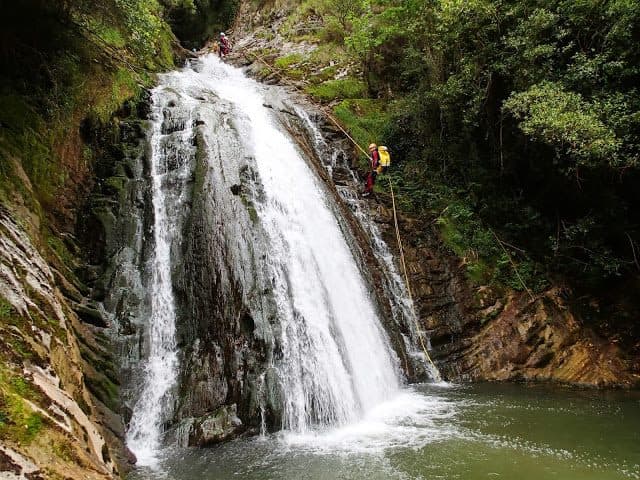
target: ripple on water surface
<point>444,432</point>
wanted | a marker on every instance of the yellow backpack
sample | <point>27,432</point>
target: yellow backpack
<point>385,156</point>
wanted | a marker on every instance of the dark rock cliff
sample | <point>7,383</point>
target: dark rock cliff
<point>225,307</point>
<point>60,84</point>
<point>224,310</point>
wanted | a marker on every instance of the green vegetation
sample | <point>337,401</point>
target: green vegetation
<point>62,252</point>
<point>486,259</point>
<point>19,422</point>
<point>142,19</point>
<point>520,106</point>
<point>105,390</point>
<point>335,89</point>
<point>6,309</point>
<point>549,114</point>
<point>365,119</point>
<point>288,60</point>
<point>64,450</point>
<point>15,329</point>
<point>63,63</point>
<point>9,315</point>
<point>107,33</point>
<point>249,205</point>
<point>514,117</point>
<point>124,86</point>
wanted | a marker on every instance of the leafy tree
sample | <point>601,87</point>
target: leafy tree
<point>563,120</point>
<point>345,11</point>
<point>527,110</point>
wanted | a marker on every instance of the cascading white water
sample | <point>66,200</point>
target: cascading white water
<point>403,308</point>
<point>333,359</point>
<point>336,360</point>
<point>170,152</point>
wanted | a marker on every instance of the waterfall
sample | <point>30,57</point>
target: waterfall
<point>336,360</point>
<point>171,152</point>
<point>332,359</point>
<point>402,307</point>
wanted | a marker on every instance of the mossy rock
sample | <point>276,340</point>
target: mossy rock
<point>115,185</point>
<point>104,390</point>
<point>19,421</point>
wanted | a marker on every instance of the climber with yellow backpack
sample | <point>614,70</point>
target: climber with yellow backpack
<point>380,159</point>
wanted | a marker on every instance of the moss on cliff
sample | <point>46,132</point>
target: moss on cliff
<point>67,69</point>
<point>19,421</point>
<point>62,65</point>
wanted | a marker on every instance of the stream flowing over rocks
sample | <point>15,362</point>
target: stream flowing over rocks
<point>246,295</point>
<point>251,290</point>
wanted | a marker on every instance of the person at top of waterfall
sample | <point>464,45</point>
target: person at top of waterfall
<point>376,169</point>
<point>224,45</point>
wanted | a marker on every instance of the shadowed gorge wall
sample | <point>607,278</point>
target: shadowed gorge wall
<point>66,69</point>
<point>196,21</point>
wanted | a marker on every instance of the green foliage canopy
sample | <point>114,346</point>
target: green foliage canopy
<point>529,113</point>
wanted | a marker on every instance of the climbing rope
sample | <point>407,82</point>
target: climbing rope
<point>408,284</point>
<point>395,215</point>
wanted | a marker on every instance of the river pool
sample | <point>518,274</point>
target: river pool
<point>444,431</point>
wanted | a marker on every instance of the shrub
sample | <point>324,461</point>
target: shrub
<point>338,89</point>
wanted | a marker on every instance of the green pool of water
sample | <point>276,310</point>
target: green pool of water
<point>444,432</point>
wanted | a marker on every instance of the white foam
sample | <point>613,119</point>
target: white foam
<point>409,420</point>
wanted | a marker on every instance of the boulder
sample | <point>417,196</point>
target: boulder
<point>223,424</point>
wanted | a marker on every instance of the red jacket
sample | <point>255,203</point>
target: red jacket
<point>375,159</point>
<point>224,43</point>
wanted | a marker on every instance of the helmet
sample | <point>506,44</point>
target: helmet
<point>373,146</point>
<point>222,34</point>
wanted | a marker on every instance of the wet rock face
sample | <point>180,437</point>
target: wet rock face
<point>113,228</point>
<point>44,352</point>
<point>478,335</point>
<point>223,295</point>
<point>15,466</point>
<point>223,307</point>
<point>442,297</point>
<point>541,339</point>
